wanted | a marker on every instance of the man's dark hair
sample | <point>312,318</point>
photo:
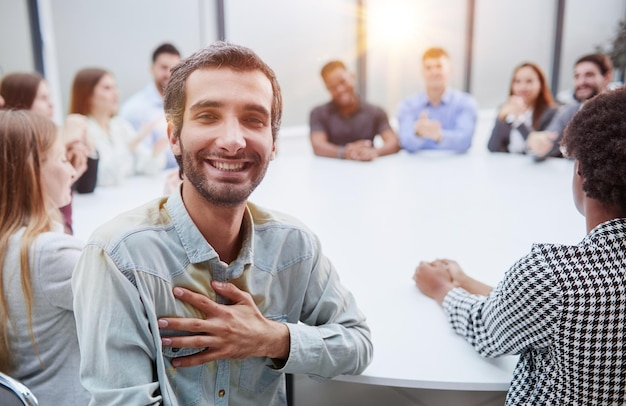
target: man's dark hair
<point>331,66</point>
<point>602,61</point>
<point>434,53</point>
<point>596,138</point>
<point>217,55</point>
<point>166,48</point>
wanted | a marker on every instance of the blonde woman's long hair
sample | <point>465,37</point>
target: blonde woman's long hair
<point>25,139</point>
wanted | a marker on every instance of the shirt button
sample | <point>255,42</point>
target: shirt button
<point>221,393</point>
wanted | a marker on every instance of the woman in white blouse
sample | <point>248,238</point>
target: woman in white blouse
<point>120,148</point>
<point>530,107</point>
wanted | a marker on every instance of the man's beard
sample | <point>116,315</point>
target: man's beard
<point>161,85</point>
<point>221,194</point>
<point>594,92</point>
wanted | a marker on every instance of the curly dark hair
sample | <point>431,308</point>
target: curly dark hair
<point>596,138</point>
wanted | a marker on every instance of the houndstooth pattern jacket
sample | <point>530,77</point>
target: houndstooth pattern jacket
<point>563,310</point>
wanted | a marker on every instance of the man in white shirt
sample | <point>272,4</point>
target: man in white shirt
<point>146,106</point>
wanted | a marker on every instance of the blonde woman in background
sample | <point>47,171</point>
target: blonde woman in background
<point>30,91</point>
<point>38,342</point>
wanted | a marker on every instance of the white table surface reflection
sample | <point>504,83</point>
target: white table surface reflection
<point>377,220</point>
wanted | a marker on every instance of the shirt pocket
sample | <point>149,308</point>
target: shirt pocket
<point>186,383</point>
<point>256,373</point>
<point>173,352</point>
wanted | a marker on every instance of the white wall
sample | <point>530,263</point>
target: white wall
<point>120,36</point>
<point>588,24</point>
<point>508,33</point>
<point>399,31</point>
<point>297,37</point>
<point>15,44</point>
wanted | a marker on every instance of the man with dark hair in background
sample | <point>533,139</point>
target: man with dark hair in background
<point>592,75</point>
<point>346,126</point>
<point>146,106</point>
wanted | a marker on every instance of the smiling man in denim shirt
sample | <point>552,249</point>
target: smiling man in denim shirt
<point>203,297</point>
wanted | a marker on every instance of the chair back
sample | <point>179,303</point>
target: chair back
<point>14,393</point>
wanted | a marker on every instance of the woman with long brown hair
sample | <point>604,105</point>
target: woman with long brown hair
<point>530,107</point>
<point>120,148</point>
<point>30,91</point>
<point>38,342</point>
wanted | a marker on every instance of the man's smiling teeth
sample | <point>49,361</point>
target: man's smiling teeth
<point>224,166</point>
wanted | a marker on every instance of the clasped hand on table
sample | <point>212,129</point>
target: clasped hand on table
<point>435,279</point>
<point>361,150</point>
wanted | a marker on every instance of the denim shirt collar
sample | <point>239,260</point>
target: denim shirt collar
<point>195,245</point>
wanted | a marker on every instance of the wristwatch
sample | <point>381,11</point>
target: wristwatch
<point>341,154</point>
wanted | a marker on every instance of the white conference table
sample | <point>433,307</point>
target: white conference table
<point>377,220</point>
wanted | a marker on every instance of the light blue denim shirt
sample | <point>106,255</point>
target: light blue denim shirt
<point>123,284</point>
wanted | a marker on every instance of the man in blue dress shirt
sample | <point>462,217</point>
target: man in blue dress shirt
<point>145,108</point>
<point>438,117</point>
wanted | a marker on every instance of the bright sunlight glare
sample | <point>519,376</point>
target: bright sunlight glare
<point>393,24</point>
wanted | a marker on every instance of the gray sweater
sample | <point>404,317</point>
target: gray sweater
<point>51,372</point>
